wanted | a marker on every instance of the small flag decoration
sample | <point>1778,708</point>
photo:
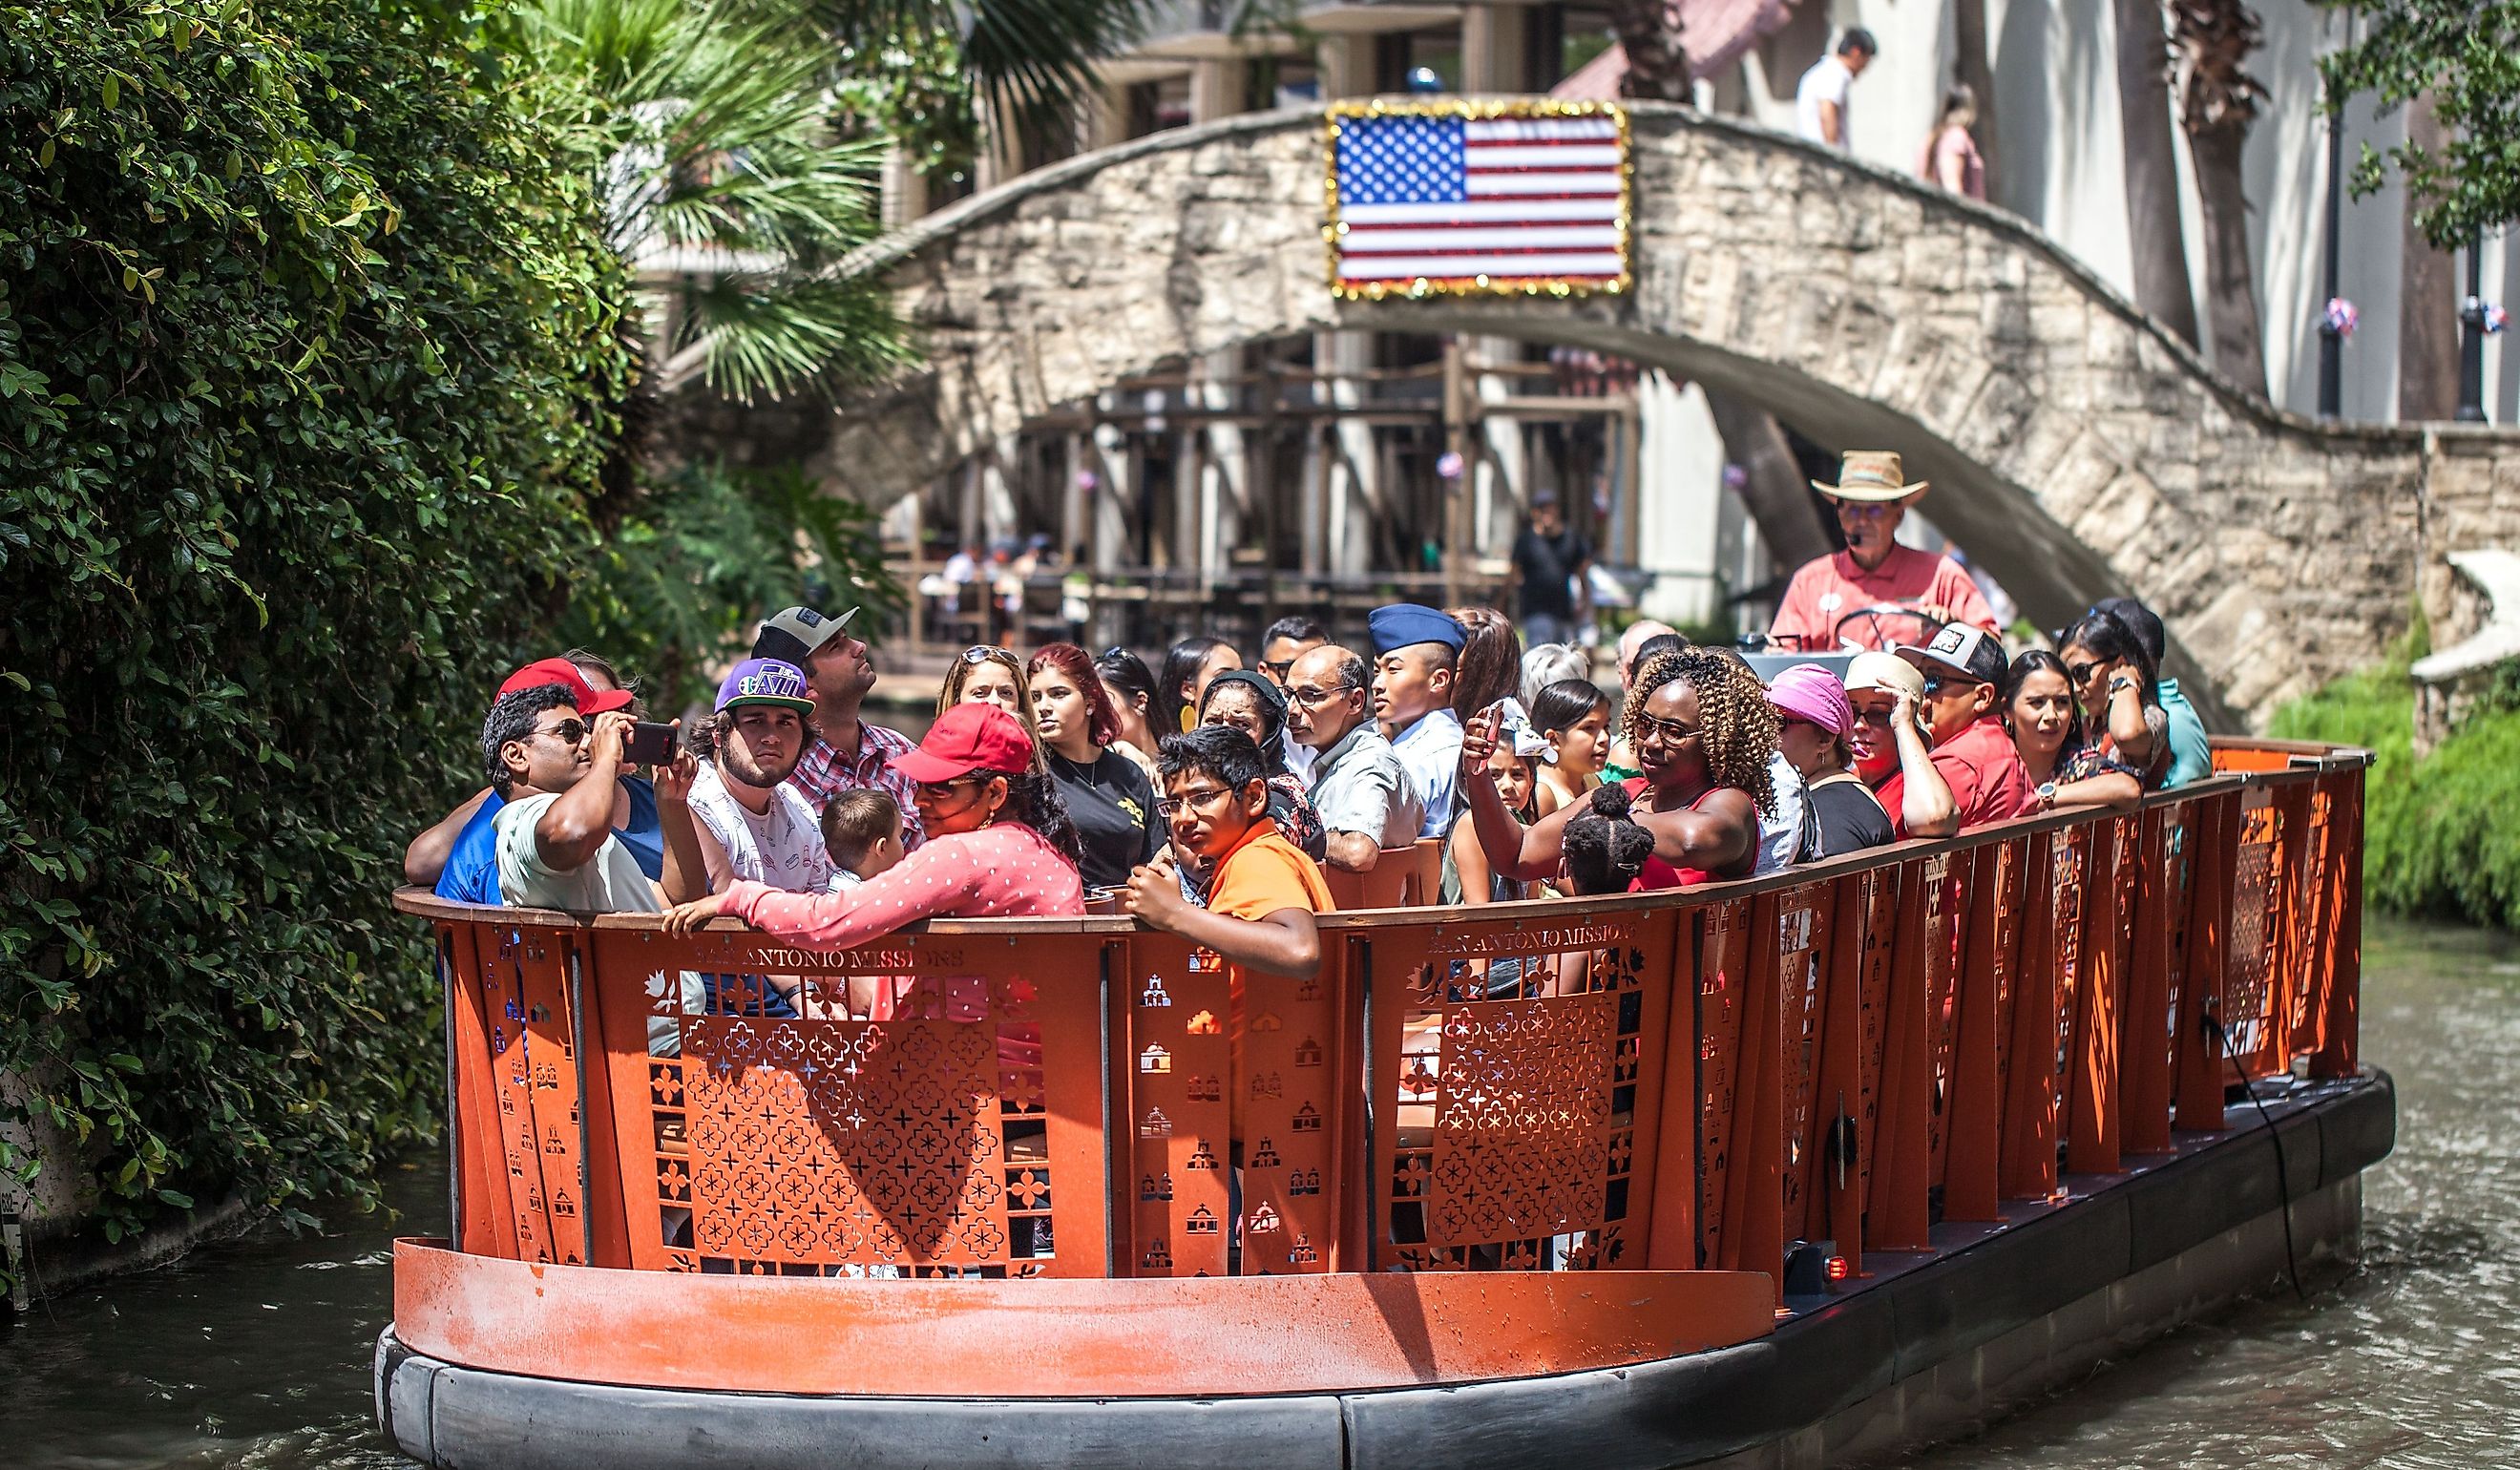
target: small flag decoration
<point>1528,196</point>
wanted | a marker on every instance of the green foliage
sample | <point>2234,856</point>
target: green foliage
<point>915,90</point>
<point>2438,835</point>
<point>307,333</point>
<point>679,586</point>
<point>2466,54</point>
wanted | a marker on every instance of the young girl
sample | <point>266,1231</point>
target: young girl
<point>1513,768</point>
<point>1573,716</point>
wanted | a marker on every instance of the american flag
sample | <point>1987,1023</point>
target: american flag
<point>1462,202</point>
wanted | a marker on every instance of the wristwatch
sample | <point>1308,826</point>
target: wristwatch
<point>2046,794</point>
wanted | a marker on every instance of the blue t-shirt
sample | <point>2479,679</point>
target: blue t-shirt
<point>2192,755</point>
<point>472,875</point>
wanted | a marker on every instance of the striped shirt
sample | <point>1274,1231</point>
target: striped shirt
<point>824,772</point>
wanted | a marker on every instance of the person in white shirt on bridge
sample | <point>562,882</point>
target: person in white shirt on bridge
<point>1819,99</point>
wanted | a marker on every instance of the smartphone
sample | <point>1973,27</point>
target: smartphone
<point>650,744</point>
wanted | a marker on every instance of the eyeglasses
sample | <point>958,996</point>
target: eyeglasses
<point>1312,698</point>
<point>980,653</point>
<point>1672,732</point>
<point>1275,668</point>
<point>1197,801</point>
<point>568,732</point>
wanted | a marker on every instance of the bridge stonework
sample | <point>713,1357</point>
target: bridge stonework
<point>2076,449</point>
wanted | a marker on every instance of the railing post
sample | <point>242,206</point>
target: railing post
<point>1973,1111</point>
<point>2340,1043</point>
<point>1754,1203</point>
<point>2148,1022</point>
<point>2029,1169</point>
<point>2091,1092</point>
<point>1901,1182</point>
<point>1846,1080</point>
<point>2214,834</point>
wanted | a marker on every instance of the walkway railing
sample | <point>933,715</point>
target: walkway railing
<point>1844,1052</point>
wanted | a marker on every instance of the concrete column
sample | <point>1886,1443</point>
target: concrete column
<point>1225,466</point>
<point>1345,64</point>
<point>1503,483</point>
<point>1679,501</point>
<point>1106,119</point>
<point>1493,56</point>
<point>1116,461</point>
<point>1217,89</point>
<point>997,492</point>
<point>905,191</point>
<point>1314,510</point>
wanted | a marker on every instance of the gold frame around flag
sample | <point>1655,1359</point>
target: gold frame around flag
<point>1333,230</point>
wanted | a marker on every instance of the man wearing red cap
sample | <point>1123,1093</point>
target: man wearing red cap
<point>556,771</point>
<point>458,856</point>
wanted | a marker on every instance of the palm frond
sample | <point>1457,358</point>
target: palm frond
<point>764,337</point>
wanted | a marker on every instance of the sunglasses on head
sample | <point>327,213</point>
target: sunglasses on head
<point>980,653</point>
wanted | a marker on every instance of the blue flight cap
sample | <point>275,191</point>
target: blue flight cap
<point>1405,623</point>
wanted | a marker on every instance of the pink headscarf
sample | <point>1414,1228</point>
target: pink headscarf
<point>1807,692</point>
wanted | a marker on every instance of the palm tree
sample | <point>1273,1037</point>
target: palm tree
<point>2153,229</point>
<point>2217,102</point>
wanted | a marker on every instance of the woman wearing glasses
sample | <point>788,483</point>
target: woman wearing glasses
<point>1703,733</point>
<point>999,844</point>
<point>1107,795</point>
<point>2113,676</point>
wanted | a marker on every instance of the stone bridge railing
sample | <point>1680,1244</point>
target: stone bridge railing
<point>2077,449</point>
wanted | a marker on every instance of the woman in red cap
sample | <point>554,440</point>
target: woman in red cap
<point>999,844</point>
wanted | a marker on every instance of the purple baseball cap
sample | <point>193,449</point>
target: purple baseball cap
<point>766,681</point>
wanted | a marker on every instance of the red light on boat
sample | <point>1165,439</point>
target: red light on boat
<point>1836,1268</point>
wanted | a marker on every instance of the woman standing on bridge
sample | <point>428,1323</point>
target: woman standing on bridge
<point>1703,734</point>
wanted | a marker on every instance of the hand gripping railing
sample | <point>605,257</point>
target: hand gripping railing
<point>1678,1081</point>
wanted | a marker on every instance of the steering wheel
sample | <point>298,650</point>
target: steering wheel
<point>1890,624</point>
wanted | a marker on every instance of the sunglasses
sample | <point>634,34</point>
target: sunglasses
<point>939,790</point>
<point>1672,732</point>
<point>2081,672</point>
<point>980,653</point>
<point>1277,668</point>
<point>568,732</point>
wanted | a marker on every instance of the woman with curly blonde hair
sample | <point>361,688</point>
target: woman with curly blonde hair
<point>1703,733</point>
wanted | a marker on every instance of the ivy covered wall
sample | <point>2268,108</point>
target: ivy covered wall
<point>307,338</point>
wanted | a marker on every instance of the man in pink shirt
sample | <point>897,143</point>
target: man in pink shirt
<point>1871,497</point>
<point>1962,711</point>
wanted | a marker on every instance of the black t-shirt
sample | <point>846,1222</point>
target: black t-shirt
<point>1113,806</point>
<point>1547,564</point>
<point>1848,818</point>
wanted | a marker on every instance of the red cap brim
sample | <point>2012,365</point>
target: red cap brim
<point>920,765</point>
<point>601,701</point>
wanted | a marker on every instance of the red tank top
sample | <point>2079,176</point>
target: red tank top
<point>1657,873</point>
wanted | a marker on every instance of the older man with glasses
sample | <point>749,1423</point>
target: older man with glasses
<point>1872,593</point>
<point>1362,793</point>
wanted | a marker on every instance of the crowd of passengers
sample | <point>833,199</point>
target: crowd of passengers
<point>1210,799</point>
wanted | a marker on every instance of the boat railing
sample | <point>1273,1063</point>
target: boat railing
<point>1682,1081</point>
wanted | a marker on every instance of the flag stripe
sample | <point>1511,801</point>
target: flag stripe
<point>1484,213</point>
<point>1544,156</point>
<point>1484,183</point>
<point>1603,263</point>
<point>1534,129</point>
<point>1386,242</point>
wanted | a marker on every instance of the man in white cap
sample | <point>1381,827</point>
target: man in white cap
<point>848,754</point>
<point>1871,497</point>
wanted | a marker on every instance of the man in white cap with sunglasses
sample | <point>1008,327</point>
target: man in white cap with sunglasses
<point>1871,497</point>
<point>846,753</point>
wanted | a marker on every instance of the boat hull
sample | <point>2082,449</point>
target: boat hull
<point>1926,1346</point>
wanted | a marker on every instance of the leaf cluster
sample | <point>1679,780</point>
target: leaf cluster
<point>309,334</point>
<point>2464,55</point>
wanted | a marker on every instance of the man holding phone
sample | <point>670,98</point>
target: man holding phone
<point>555,770</point>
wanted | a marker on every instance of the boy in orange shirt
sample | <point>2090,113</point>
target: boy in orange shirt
<point>1260,906</point>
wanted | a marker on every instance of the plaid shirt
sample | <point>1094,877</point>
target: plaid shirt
<point>824,772</point>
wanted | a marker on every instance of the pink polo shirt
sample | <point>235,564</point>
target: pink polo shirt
<point>1830,587</point>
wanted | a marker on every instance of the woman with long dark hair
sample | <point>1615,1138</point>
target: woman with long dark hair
<point>1704,736</point>
<point>1130,686</point>
<point>1489,666</point>
<point>1190,665</point>
<point>1107,794</point>
<point>2113,676</point>
<point>2066,768</point>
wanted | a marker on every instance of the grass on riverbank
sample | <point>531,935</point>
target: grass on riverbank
<point>2442,834</point>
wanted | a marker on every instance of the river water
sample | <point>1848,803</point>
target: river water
<point>255,1353</point>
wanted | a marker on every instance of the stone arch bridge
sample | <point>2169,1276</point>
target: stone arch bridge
<point>2077,449</point>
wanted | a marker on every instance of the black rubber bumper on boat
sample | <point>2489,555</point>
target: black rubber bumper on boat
<point>1677,1411</point>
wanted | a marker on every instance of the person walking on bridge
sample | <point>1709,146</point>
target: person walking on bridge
<point>1830,603</point>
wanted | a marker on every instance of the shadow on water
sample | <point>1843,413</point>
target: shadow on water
<point>255,1353</point>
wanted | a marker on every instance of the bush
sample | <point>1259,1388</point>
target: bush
<point>307,334</point>
<point>2437,841</point>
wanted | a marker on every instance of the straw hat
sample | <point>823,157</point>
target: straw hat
<point>1870,474</point>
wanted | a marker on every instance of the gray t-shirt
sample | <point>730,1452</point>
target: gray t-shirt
<point>1360,785</point>
<point>782,847</point>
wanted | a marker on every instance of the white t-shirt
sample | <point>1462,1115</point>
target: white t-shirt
<point>610,882</point>
<point>1781,834</point>
<point>1827,81</point>
<point>781,848</point>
